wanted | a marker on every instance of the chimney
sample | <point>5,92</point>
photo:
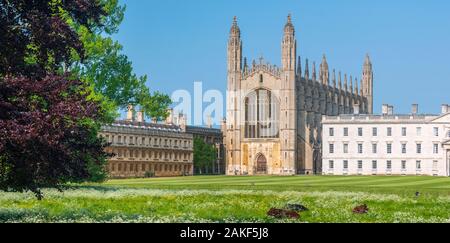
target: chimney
<point>415,109</point>
<point>356,109</point>
<point>209,123</point>
<point>176,120</point>
<point>445,109</point>
<point>130,113</point>
<point>391,110</point>
<point>170,120</point>
<point>140,116</point>
<point>385,109</point>
<point>182,122</point>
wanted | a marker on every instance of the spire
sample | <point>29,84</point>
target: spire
<point>320,72</point>
<point>340,80</point>
<point>245,65</point>
<point>367,68</point>
<point>324,62</point>
<point>345,83</point>
<point>324,71</point>
<point>367,83</point>
<point>289,27</point>
<point>367,62</point>
<point>356,88</point>
<point>234,55</point>
<point>334,78</point>
<point>289,48</point>
<point>307,69</point>
<point>314,74</point>
<point>351,84</point>
<point>235,31</point>
<point>299,67</point>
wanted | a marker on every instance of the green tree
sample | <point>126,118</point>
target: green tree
<point>109,71</point>
<point>49,120</point>
<point>205,156</point>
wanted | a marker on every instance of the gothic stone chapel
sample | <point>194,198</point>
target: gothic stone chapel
<point>274,113</point>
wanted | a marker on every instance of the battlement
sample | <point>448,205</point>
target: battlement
<point>260,67</point>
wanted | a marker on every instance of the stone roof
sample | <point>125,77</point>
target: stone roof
<point>146,125</point>
<point>203,130</point>
<point>404,118</point>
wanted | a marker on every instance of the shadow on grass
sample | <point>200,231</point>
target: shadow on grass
<point>100,188</point>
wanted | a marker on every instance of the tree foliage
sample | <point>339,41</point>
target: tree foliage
<point>205,155</point>
<point>109,71</point>
<point>48,118</point>
<point>35,37</point>
<point>47,132</point>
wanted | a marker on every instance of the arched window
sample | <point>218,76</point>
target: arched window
<point>262,115</point>
<point>261,78</point>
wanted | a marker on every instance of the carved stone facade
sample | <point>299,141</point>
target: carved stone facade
<point>274,114</point>
<point>161,150</point>
<point>140,147</point>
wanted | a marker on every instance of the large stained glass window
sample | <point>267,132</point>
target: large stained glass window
<point>262,115</point>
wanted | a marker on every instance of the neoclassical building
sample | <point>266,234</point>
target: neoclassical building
<point>274,113</point>
<point>166,149</point>
<point>141,147</point>
<point>387,144</point>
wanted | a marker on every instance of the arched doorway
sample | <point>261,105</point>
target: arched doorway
<point>261,165</point>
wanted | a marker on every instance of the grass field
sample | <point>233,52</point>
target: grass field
<point>236,199</point>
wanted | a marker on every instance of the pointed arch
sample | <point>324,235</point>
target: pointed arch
<point>261,164</point>
<point>262,114</point>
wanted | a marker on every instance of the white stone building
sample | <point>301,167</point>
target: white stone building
<point>387,144</point>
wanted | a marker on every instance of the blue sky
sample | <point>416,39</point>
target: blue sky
<point>177,42</point>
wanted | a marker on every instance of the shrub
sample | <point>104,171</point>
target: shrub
<point>149,174</point>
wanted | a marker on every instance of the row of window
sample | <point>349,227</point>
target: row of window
<point>124,167</point>
<point>389,132</point>
<point>148,154</point>
<point>375,165</point>
<point>143,141</point>
<point>210,140</point>
<point>389,148</point>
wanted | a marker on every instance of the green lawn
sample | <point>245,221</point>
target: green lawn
<point>236,199</point>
